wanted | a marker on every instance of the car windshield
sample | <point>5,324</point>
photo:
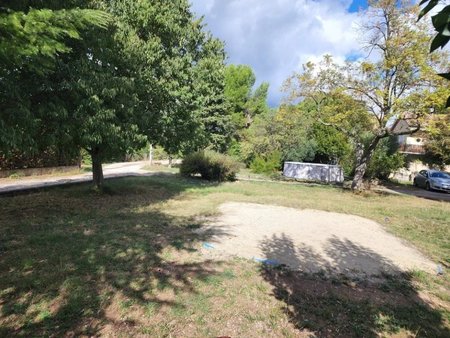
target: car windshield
<point>440,175</point>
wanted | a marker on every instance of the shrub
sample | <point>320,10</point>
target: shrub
<point>300,152</point>
<point>210,165</point>
<point>384,161</point>
<point>266,164</point>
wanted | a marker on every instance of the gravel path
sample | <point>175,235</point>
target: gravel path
<point>310,240</point>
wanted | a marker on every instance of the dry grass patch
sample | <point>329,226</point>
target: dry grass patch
<point>127,263</point>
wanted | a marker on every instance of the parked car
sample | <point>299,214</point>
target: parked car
<point>433,180</point>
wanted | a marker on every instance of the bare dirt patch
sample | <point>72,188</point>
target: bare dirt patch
<point>311,241</point>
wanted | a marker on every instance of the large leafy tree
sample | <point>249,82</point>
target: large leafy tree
<point>214,120</point>
<point>32,38</point>
<point>164,54</point>
<point>332,146</point>
<point>200,118</point>
<point>101,105</point>
<point>129,81</point>
<point>244,102</point>
<point>262,138</point>
<point>294,133</point>
<point>88,97</point>
<point>387,88</point>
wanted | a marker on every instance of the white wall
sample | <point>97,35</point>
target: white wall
<point>313,172</point>
<point>407,174</point>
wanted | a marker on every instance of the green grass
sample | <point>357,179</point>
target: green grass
<point>126,263</point>
<point>161,168</point>
<point>245,173</point>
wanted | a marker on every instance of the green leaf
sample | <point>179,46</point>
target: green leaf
<point>427,8</point>
<point>441,21</point>
<point>445,75</point>
<point>439,41</point>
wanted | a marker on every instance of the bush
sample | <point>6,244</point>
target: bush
<point>384,161</point>
<point>267,164</point>
<point>300,152</point>
<point>210,165</point>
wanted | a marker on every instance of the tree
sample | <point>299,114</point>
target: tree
<point>209,123</point>
<point>261,139</point>
<point>438,143</point>
<point>31,40</point>
<point>295,124</point>
<point>441,24</point>
<point>292,133</point>
<point>257,103</point>
<point>127,82</point>
<point>213,118</point>
<point>332,146</point>
<point>165,60</point>
<point>244,103</point>
<point>102,104</point>
<point>381,90</point>
<point>385,160</point>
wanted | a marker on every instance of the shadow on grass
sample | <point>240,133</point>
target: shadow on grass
<point>330,304</point>
<point>67,253</point>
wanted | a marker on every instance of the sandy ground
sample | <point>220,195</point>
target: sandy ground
<point>310,240</point>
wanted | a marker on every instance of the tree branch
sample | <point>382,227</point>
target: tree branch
<point>342,130</point>
<point>373,99</point>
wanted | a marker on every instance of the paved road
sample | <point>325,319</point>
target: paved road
<point>422,193</point>
<point>109,171</point>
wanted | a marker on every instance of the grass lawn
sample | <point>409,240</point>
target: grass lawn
<point>126,263</point>
<point>161,168</point>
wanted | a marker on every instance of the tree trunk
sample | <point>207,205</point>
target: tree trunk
<point>170,161</point>
<point>362,159</point>
<point>97,170</point>
<point>248,119</point>
<point>360,169</point>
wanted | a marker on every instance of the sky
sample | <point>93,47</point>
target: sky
<point>276,37</point>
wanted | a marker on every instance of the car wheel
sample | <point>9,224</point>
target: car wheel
<point>415,183</point>
<point>427,186</point>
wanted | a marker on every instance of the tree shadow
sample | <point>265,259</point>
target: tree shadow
<point>338,257</point>
<point>19,188</point>
<point>337,301</point>
<point>67,254</point>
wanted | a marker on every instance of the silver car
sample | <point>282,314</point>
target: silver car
<point>433,180</point>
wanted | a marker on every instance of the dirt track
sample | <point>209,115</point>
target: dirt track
<point>311,241</point>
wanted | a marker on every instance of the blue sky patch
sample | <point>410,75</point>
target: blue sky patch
<point>357,5</point>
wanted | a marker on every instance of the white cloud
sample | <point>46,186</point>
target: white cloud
<point>275,37</point>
